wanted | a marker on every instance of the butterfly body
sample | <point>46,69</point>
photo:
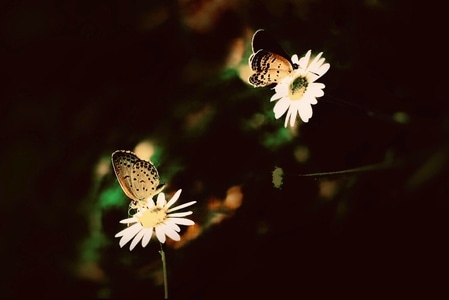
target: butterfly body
<point>139,179</point>
<point>269,62</point>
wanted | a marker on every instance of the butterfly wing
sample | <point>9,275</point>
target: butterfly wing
<point>139,179</point>
<point>123,164</point>
<point>269,62</point>
<point>145,180</point>
<point>268,68</point>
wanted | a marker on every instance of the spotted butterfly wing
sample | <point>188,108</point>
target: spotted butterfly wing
<point>269,62</point>
<point>139,179</point>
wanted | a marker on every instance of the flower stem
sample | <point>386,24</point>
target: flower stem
<point>164,269</point>
<point>373,167</point>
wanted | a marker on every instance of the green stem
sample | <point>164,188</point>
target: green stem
<point>164,268</point>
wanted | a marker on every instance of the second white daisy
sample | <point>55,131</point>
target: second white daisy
<point>297,92</point>
<point>155,217</point>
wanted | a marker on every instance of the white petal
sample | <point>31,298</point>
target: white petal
<point>312,77</point>
<point>137,239</point>
<point>182,221</point>
<point>147,237</point>
<point>129,220</point>
<point>295,59</point>
<point>315,90</point>
<point>150,203</point>
<point>322,70</point>
<point>317,85</point>
<point>160,234</point>
<point>304,61</point>
<point>276,96</point>
<point>305,111</point>
<point>281,107</point>
<point>315,64</point>
<point>181,206</point>
<point>180,214</point>
<point>130,233</point>
<point>174,198</point>
<point>318,93</point>
<point>172,225</point>
<point>320,62</point>
<point>127,229</point>
<point>160,202</point>
<point>171,233</point>
<point>287,118</point>
<point>282,87</point>
<point>292,113</point>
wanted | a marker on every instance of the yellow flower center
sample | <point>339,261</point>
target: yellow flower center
<point>298,87</point>
<point>152,217</point>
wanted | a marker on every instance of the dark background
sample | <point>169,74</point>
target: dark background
<point>85,78</point>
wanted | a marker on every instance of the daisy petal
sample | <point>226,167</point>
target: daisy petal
<point>180,214</point>
<point>304,61</point>
<point>173,199</point>
<point>283,87</point>
<point>292,113</point>
<point>318,93</point>
<point>281,107</point>
<point>315,63</point>
<point>295,59</point>
<point>305,111</point>
<point>320,62</point>
<point>315,90</point>
<point>137,239</point>
<point>129,220</point>
<point>172,234</point>
<point>160,200</point>
<point>160,234</point>
<point>316,86</point>
<point>287,118</point>
<point>182,221</point>
<point>276,96</point>
<point>181,206</point>
<point>150,203</point>
<point>127,229</point>
<point>147,237</point>
<point>172,225</point>
<point>322,69</point>
<point>130,233</point>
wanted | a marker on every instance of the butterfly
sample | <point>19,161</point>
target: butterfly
<point>138,178</point>
<point>269,62</point>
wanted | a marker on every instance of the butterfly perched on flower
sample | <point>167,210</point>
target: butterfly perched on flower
<point>139,179</point>
<point>269,62</point>
<point>293,80</point>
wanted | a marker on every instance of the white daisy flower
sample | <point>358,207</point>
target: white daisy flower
<point>156,217</point>
<point>297,92</point>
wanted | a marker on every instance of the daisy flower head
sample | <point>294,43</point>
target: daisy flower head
<point>296,93</point>
<point>155,217</point>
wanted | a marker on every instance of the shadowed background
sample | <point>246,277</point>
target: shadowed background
<point>85,78</point>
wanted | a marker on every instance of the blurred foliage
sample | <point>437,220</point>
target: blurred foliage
<point>84,79</point>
